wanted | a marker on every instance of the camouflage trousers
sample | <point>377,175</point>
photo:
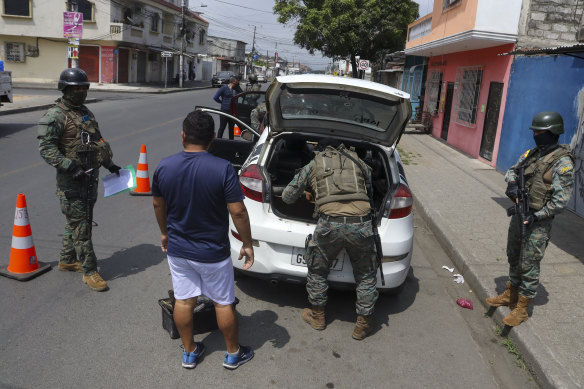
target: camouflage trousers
<point>77,236</point>
<point>524,269</point>
<point>327,241</point>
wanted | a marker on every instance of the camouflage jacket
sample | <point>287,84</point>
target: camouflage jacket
<point>561,187</point>
<point>257,115</point>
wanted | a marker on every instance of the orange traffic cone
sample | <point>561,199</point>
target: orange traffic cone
<point>236,130</point>
<point>142,178</point>
<point>23,259</point>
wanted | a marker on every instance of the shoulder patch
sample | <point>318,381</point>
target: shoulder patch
<point>526,154</point>
<point>565,169</point>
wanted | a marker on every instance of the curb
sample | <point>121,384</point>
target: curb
<point>532,348</point>
<point>39,107</point>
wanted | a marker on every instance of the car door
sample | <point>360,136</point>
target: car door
<point>235,151</point>
<point>243,103</point>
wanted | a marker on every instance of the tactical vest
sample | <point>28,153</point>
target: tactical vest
<point>337,178</point>
<point>538,174</point>
<point>71,144</point>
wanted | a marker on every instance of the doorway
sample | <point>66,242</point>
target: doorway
<point>447,109</point>
<point>491,120</point>
<point>123,65</point>
<point>141,67</point>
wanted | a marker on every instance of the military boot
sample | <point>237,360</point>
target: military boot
<point>519,314</point>
<point>363,327</point>
<point>315,317</point>
<point>95,282</point>
<point>507,298</point>
<point>75,266</point>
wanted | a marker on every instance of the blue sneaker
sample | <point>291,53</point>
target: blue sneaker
<point>234,361</point>
<point>190,359</point>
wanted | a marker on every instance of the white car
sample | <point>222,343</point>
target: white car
<point>302,109</point>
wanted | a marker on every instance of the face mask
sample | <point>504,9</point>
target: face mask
<point>545,139</point>
<point>75,98</point>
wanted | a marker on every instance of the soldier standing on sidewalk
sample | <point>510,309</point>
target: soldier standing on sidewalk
<point>70,141</point>
<point>343,207</point>
<point>549,180</point>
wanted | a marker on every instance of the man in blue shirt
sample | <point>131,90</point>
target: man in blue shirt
<point>223,97</point>
<point>194,193</point>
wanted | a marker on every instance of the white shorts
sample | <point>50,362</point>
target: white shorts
<point>192,279</point>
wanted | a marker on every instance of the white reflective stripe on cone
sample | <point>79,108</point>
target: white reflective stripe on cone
<point>22,243</point>
<point>142,174</point>
<point>21,217</point>
<point>142,159</point>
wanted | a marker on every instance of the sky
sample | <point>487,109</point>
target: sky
<point>237,19</point>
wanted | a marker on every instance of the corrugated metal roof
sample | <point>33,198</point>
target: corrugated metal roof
<point>579,48</point>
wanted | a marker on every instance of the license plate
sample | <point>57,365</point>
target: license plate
<point>298,259</point>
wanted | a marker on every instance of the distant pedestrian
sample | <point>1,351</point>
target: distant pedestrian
<point>223,97</point>
<point>253,84</point>
<point>194,193</point>
<point>549,181</point>
<point>344,221</point>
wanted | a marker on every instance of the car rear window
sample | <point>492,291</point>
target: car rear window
<point>338,105</point>
<point>224,74</point>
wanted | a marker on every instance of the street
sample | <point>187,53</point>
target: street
<point>57,333</point>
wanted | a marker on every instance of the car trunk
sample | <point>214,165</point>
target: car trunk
<point>290,152</point>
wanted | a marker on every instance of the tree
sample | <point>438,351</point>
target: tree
<point>349,28</point>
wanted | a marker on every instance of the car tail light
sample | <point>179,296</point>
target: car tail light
<point>252,183</point>
<point>401,203</point>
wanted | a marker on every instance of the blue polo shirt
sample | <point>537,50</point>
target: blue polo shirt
<point>196,188</point>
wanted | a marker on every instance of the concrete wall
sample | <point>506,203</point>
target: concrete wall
<point>550,83</point>
<point>495,68</point>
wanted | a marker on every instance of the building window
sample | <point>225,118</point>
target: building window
<point>201,37</point>
<point>154,22</point>
<point>420,30</point>
<point>16,8</point>
<point>14,52</point>
<point>433,85</point>
<point>449,3</point>
<point>86,8</point>
<point>467,89</point>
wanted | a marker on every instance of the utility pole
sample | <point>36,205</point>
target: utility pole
<point>73,8</point>
<point>182,32</point>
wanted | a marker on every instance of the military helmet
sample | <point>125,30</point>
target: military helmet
<point>73,76</point>
<point>548,121</point>
<point>253,78</point>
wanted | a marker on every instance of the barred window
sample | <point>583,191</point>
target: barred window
<point>467,89</point>
<point>433,91</point>
<point>16,7</point>
<point>14,52</point>
<point>449,3</point>
<point>86,8</point>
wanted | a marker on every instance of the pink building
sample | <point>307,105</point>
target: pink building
<point>467,78</point>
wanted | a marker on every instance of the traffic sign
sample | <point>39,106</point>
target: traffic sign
<point>166,54</point>
<point>363,64</point>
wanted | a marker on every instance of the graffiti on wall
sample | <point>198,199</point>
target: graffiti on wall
<point>577,144</point>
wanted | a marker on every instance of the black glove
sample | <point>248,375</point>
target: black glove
<point>76,172</point>
<point>512,191</point>
<point>114,169</point>
<point>530,218</point>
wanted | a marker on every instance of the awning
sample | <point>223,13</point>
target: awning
<point>565,50</point>
<point>390,70</point>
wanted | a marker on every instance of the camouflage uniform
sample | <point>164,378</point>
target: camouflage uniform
<point>328,239</point>
<point>253,87</point>
<point>524,272</point>
<point>257,115</point>
<point>59,135</point>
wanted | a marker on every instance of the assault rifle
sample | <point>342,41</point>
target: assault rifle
<point>521,208</point>
<point>376,238</point>
<point>86,155</point>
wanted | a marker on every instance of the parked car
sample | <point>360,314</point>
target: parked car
<point>221,78</point>
<point>302,110</point>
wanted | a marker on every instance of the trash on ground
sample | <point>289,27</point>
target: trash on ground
<point>458,278</point>
<point>450,269</point>
<point>464,303</point>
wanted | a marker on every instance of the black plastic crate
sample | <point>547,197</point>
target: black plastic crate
<point>204,318</point>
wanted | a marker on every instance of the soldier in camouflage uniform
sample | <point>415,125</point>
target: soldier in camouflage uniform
<point>253,84</point>
<point>70,141</point>
<point>343,210</point>
<point>549,180</point>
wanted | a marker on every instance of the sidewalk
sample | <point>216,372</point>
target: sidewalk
<point>25,100</point>
<point>463,200</point>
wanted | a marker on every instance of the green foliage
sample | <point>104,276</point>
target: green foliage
<point>349,28</point>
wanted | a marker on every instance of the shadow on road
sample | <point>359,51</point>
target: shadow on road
<point>541,298</point>
<point>130,261</point>
<point>7,129</point>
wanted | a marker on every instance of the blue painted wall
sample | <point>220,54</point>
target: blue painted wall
<point>547,83</point>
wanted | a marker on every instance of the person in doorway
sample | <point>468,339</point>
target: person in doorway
<point>70,140</point>
<point>344,221</point>
<point>549,181</point>
<point>194,194</point>
<point>223,97</point>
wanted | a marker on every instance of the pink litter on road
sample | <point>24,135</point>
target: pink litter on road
<point>464,303</point>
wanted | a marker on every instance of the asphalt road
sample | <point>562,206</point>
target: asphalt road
<point>56,333</point>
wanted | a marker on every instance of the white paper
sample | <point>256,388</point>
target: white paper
<point>114,184</point>
<point>450,269</point>
<point>458,278</point>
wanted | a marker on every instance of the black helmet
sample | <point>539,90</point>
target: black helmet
<point>253,78</point>
<point>73,76</point>
<point>548,121</point>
